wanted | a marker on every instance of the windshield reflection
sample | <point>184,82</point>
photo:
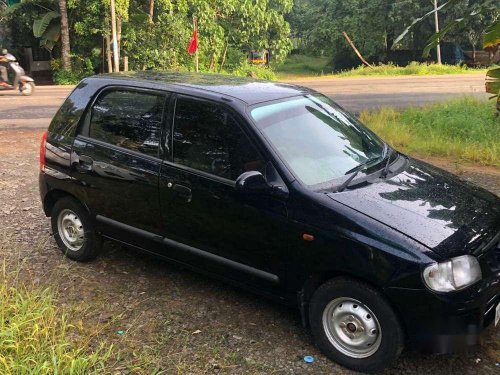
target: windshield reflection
<point>317,140</point>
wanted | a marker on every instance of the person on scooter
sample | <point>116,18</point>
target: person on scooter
<point>3,69</point>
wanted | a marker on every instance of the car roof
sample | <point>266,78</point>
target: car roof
<point>248,90</point>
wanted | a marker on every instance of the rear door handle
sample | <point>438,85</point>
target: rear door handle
<point>85,164</point>
<point>183,192</point>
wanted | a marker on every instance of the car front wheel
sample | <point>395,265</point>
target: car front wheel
<point>355,326</point>
<point>74,230</point>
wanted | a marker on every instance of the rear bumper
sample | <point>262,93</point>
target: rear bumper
<point>446,324</point>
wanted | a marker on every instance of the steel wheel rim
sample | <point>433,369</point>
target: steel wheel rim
<point>351,327</point>
<point>70,230</point>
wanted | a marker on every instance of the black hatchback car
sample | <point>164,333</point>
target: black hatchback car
<point>275,188</point>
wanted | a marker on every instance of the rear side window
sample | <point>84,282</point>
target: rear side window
<point>207,138</point>
<point>128,119</point>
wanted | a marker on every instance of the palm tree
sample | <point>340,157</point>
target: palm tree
<point>65,46</point>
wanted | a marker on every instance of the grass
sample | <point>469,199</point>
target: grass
<point>297,66</point>
<point>35,335</point>
<point>303,65</point>
<point>466,129</point>
<point>412,69</point>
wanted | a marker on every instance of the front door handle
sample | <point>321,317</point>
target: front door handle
<point>85,164</point>
<point>183,192</point>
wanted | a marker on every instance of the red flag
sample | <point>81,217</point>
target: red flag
<point>193,43</point>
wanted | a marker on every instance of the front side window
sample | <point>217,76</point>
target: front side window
<point>317,140</point>
<point>207,138</point>
<point>128,119</point>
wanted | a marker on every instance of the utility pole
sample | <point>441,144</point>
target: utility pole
<point>436,22</point>
<point>114,38</point>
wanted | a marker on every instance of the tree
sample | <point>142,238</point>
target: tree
<point>65,44</point>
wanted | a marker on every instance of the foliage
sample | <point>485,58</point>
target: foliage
<point>239,25</point>
<point>374,26</point>
<point>371,25</point>
<point>472,10</point>
<point>35,335</point>
<point>247,70</point>
<point>465,129</point>
<point>44,16</point>
<point>81,68</point>
<point>228,29</point>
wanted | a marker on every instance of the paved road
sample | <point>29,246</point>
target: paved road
<point>359,93</point>
<point>355,94</point>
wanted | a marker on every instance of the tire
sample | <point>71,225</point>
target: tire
<point>27,89</point>
<point>74,230</point>
<point>343,314</point>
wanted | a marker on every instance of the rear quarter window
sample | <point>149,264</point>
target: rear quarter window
<point>65,121</point>
<point>128,119</point>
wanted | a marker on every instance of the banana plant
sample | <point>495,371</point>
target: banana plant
<point>45,28</point>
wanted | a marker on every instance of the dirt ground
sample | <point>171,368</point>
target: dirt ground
<point>173,320</point>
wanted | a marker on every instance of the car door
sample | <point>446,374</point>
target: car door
<point>116,164</point>
<point>240,237</point>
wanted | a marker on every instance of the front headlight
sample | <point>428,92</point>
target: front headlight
<point>454,274</point>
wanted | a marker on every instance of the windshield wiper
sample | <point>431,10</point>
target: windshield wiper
<point>356,170</point>
<point>387,163</point>
<point>347,182</point>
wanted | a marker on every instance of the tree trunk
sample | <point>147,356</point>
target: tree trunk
<point>108,54</point>
<point>223,57</point>
<point>151,10</point>
<point>119,35</point>
<point>65,46</point>
<point>116,61</point>
<point>474,53</point>
<point>212,62</point>
<point>356,50</point>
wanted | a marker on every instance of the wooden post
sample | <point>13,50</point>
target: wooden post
<point>356,50</point>
<point>125,63</point>
<point>114,38</point>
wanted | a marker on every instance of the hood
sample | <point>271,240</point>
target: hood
<point>450,216</point>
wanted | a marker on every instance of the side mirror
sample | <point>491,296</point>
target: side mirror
<point>252,182</point>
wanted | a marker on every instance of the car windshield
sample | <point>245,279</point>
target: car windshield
<point>316,139</point>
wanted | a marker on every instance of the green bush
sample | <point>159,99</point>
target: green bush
<point>245,69</point>
<point>80,68</point>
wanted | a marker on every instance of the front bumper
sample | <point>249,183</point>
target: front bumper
<point>437,326</point>
<point>450,322</point>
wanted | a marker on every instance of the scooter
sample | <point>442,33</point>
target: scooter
<point>22,82</point>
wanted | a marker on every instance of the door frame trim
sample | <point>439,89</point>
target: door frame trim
<point>191,250</point>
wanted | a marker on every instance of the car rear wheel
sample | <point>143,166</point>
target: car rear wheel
<point>74,231</point>
<point>353,325</point>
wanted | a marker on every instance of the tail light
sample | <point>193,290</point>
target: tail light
<point>42,151</point>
